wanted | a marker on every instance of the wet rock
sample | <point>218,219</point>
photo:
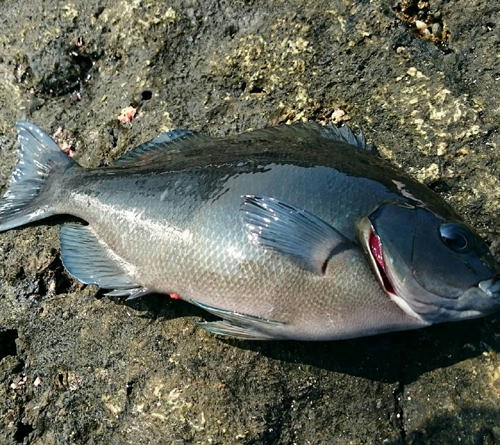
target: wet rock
<point>418,77</point>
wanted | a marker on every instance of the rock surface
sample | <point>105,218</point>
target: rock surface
<point>421,79</point>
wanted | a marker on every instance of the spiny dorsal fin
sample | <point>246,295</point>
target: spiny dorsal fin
<point>309,130</point>
<point>344,133</point>
<point>155,149</point>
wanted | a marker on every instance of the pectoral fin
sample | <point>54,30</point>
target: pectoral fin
<point>303,237</point>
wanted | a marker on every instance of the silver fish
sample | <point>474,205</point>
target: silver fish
<point>294,232</point>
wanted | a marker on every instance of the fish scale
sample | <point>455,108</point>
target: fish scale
<point>259,282</point>
<point>268,230</point>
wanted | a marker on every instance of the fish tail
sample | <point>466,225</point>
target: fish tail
<point>32,190</point>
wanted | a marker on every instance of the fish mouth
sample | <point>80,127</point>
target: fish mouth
<point>491,287</point>
<point>375,250</point>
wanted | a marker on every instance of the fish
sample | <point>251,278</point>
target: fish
<point>294,232</point>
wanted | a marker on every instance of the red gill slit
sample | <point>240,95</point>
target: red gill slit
<point>378,254</point>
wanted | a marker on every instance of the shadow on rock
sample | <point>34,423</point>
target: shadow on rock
<point>470,425</point>
<point>396,357</point>
<point>160,306</point>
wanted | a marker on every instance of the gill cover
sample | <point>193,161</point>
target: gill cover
<point>441,269</point>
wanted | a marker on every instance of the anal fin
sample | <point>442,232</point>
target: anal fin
<point>91,261</point>
<point>229,329</point>
<point>242,326</point>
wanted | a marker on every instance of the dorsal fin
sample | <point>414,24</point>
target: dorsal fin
<point>154,149</point>
<point>345,134</point>
<point>310,130</point>
<point>175,140</point>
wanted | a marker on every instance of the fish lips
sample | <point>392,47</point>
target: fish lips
<point>491,287</point>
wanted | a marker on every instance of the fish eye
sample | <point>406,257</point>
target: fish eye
<point>456,237</point>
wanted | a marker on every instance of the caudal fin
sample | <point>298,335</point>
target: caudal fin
<point>31,191</point>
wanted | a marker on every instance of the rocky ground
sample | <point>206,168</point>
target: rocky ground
<point>421,79</point>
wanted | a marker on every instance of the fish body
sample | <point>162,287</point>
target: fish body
<point>272,230</point>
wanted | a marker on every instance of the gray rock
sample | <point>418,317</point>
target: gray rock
<point>76,367</point>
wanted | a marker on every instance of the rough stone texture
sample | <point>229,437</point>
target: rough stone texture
<point>421,78</point>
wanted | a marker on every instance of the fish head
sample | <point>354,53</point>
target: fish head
<point>436,270</point>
